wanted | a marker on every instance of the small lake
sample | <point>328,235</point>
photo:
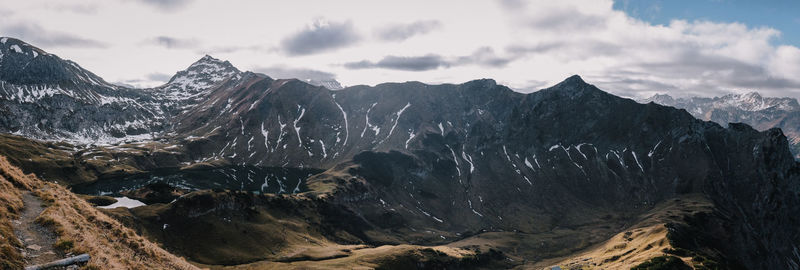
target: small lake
<point>246,178</point>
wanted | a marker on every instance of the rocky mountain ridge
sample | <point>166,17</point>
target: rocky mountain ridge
<point>760,112</point>
<point>45,97</point>
<point>752,101</point>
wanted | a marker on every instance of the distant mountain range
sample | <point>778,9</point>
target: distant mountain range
<point>760,112</point>
<point>563,172</point>
<point>330,84</point>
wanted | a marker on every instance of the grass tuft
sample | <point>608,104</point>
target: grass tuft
<point>65,245</point>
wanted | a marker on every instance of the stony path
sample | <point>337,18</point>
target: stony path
<point>38,240</point>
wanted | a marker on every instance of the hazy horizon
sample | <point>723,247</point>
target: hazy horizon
<point>632,49</point>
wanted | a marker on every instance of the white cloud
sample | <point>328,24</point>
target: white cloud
<point>400,32</point>
<point>34,33</point>
<point>786,62</point>
<point>320,36</point>
<point>634,58</point>
<point>524,44</point>
<point>173,42</point>
<point>285,72</point>
<point>167,5</point>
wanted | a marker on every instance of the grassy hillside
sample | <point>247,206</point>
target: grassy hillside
<point>222,229</point>
<point>68,164</point>
<point>80,227</point>
<point>647,244</point>
<point>10,199</point>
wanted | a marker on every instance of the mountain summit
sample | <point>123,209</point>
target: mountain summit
<point>574,86</point>
<point>199,76</point>
<point>22,63</point>
<point>55,99</point>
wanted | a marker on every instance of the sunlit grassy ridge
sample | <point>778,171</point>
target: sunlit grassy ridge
<point>80,227</point>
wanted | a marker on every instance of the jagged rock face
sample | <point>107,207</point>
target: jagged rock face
<point>580,158</point>
<point>45,97</point>
<point>262,121</point>
<point>760,112</point>
<point>756,196</point>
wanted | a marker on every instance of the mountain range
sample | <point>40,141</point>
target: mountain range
<point>751,108</point>
<point>411,175</point>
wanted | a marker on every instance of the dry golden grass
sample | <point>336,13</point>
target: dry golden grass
<point>111,245</point>
<point>624,250</point>
<point>361,257</point>
<point>51,161</point>
<point>70,165</point>
<point>10,204</point>
<point>641,242</point>
<point>325,184</point>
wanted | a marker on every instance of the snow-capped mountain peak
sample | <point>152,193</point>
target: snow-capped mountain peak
<point>81,107</point>
<point>751,102</point>
<point>211,65</point>
<point>199,76</point>
<point>11,45</point>
<point>751,108</point>
<point>663,99</point>
<point>25,64</point>
<point>330,84</point>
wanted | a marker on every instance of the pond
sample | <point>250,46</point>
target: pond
<point>246,178</point>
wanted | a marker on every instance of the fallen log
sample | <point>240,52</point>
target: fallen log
<point>63,262</point>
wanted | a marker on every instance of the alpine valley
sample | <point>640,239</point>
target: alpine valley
<point>238,170</point>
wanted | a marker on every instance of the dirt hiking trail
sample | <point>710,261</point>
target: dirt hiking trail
<point>38,241</point>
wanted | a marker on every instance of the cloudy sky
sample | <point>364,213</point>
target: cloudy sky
<point>630,48</point>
